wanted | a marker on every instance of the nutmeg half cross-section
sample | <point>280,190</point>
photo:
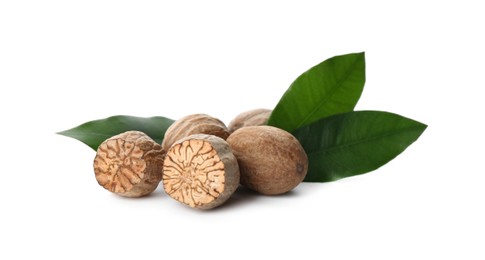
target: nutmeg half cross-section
<point>129,164</point>
<point>200,171</point>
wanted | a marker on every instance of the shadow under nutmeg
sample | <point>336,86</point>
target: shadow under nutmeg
<point>239,198</point>
<point>155,195</point>
<point>244,196</point>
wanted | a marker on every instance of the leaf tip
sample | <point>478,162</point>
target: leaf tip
<point>63,133</point>
<point>423,127</point>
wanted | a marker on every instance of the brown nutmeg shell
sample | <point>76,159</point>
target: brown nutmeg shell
<point>271,160</point>
<point>253,117</point>
<point>194,124</point>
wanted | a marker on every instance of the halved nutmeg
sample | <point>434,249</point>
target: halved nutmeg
<point>129,164</point>
<point>200,171</point>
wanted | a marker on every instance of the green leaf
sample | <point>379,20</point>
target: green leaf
<point>354,143</point>
<point>93,133</point>
<point>331,87</point>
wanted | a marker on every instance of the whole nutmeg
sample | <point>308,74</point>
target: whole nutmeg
<point>194,124</point>
<point>253,117</point>
<point>129,164</point>
<point>200,171</point>
<point>271,161</point>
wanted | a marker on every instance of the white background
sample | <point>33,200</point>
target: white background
<point>66,62</point>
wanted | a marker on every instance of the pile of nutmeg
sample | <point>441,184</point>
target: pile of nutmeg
<point>202,162</point>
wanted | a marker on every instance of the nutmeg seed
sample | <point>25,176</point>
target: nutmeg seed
<point>253,117</point>
<point>194,124</point>
<point>129,164</point>
<point>200,171</point>
<point>271,160</point>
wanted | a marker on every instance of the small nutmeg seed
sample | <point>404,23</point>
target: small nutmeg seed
<point>253,117</point>
<point>194,124</point>
<point>271,160</point>
<point>200,171</point>
<point>129,164</point>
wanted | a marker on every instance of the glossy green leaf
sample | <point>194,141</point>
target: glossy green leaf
<point>331,87</point>
<point>354,143</point>
<point>93,133</point>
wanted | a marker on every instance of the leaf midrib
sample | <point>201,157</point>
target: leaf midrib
<point>372,138</point>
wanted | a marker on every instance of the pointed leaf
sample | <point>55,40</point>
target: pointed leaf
<point>93,133</point>
<point>355,143</point>
<point>331,87</point>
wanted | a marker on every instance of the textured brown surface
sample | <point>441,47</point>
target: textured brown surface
<point>194,124</point>
<point>200,171</point>
<point>253,117</point>
<point>129,164</point>
<point>271,160</point>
